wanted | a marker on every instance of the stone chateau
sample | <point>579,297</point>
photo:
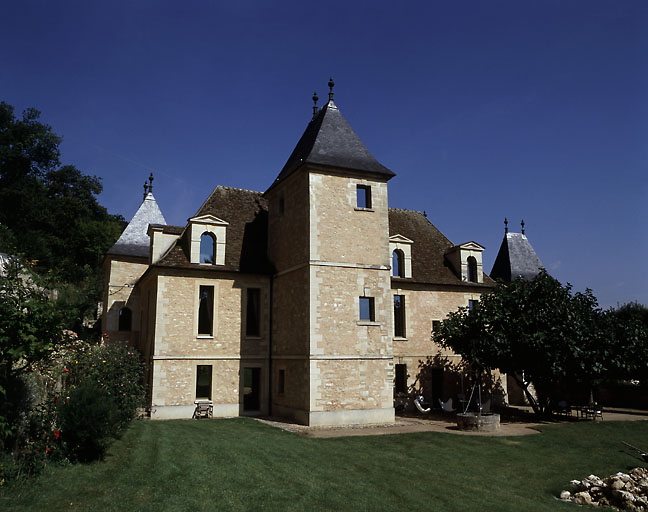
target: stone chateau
<point>313,300</point>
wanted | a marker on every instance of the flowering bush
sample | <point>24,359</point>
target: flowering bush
<point>88,420</point>
<point>114,367</point>
<point>38,441</point>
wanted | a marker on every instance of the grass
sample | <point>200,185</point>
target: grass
<point>241,464</point>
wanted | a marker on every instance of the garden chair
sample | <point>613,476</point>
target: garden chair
<point>446,406</point>
<point>418,402</point>
<point>204,409</point>
<point>593,411</point>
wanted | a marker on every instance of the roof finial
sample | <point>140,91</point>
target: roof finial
<point>151,183</point>
<point>331,84</point>
<point>505,225</point>
<point>315,98</point>
<point>522,224</point>
<point>145,188</point>
<point>424,214</point>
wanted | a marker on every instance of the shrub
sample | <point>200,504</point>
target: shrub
<point>36,441</point>
<point>89,419</point>
<point>117,369</point>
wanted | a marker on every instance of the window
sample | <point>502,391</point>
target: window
<point>206,311</point>
<point>436,325</point>
<point>281,387</point>
<point>363,196</point>
<point>125,319</point>
<point>472,304</point>
<point>399,316</point>
<point>253,312</point>
<point>400,378</point>
<point>398,263</point>
<point>472,269</point>
<point>207,248</point>
<point>204,381</point>
<point>367,312</point>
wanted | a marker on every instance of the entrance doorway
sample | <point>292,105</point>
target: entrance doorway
<point>436,376</point>
<point>251,389</point>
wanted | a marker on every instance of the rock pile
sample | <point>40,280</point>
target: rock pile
<point>623,491</point>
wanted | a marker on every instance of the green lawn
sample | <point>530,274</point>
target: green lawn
<point>240,464</point>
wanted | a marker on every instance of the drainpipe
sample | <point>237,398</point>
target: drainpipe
<point>270,347</point>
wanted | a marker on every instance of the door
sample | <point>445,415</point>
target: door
<point>251,389</point>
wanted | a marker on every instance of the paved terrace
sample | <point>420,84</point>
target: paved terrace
<point>515,421</point>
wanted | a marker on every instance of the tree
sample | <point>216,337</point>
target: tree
<point>628,328</point>
<point>538,332</point>
<point>31,326</point>
<point>49,213</point>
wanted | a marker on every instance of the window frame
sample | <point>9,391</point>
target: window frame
<point>371,304</point>
<point>364,192</point>
<point>471,269</point>
<point>281,382</point>
<point>398,270</point>
<point>400,378</point>
<point>208,309</point>
<point>211,380</point>
<point>251,314</point>
<point>214,243</point>
<point>399,317</point>
<point>125,314</point>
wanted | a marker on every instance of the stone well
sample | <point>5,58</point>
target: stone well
<point>480,423</point>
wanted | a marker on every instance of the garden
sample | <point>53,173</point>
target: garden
<point>242,464</point>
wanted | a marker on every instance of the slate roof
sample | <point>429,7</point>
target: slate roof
<point>330,141</point>
<point>134,241</point>
<point>246,212</point>
<point>429,264</point>
<point>516,258</point>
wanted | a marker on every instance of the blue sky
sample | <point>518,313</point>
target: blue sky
<point>484,110</point>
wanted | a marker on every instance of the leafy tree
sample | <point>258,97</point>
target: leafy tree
<point>628,328</point>
<point>31,326</point>
<point>538,331</point>
<point>49,213</point>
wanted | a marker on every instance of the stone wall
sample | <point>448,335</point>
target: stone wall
<point>288,231</point>
<point>179,349</point>
<point>341,232</point>
<point>351,374</point>
<point>121,275</point>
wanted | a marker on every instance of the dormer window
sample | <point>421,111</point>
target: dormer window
<point>466,261</point>
<point>207,235</point>
<point>398,263</point>
<point>207,248</point>
<point>401,251</point>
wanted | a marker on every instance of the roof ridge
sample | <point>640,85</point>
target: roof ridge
<point>240,189</point>
<point>406,210</point>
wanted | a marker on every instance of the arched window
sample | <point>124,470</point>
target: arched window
<point>125,319</point>
<point>472,269</point>
<point>207,248</point>
<point>398,263</point>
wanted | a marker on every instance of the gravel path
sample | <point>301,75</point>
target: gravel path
<point>406,425</point>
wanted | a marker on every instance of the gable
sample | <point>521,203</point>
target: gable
<point>208,219</point>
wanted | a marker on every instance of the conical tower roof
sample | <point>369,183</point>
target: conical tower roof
<point>330,141</point>
<point>134,241</point>
<point>516,258</point>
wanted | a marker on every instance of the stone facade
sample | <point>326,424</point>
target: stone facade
<point>297,314</point>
